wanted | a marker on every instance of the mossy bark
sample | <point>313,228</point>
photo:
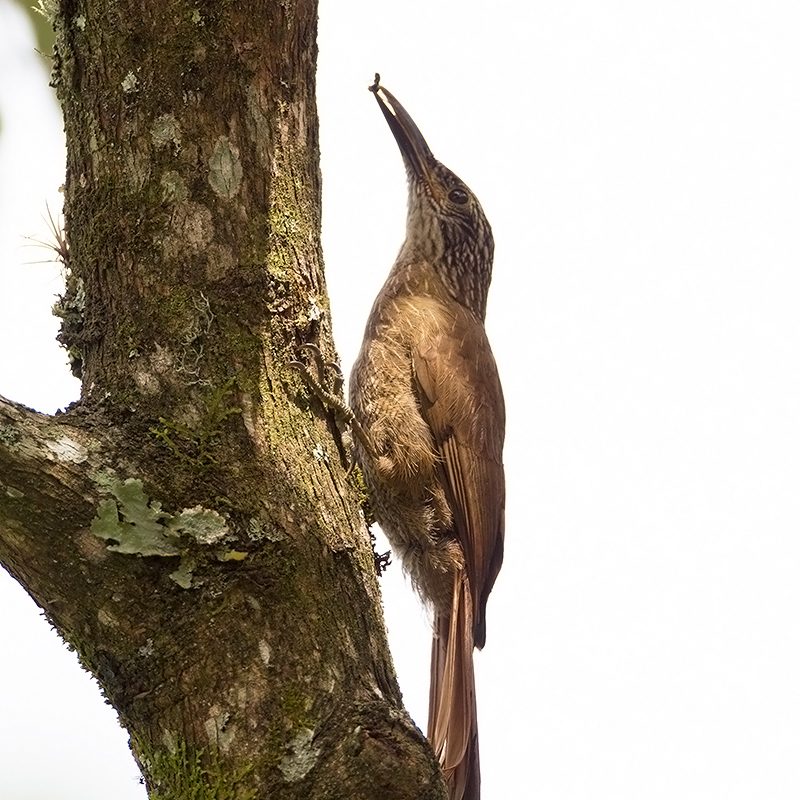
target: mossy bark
<point>187,526</point>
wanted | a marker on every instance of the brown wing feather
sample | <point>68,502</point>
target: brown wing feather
<point>462,401</point>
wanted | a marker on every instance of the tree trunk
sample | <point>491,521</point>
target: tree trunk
<point>188,526</point>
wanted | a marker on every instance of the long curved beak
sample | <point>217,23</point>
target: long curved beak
<point>409,138</point>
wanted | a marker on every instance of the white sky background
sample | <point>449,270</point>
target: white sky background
<point>639,165</point>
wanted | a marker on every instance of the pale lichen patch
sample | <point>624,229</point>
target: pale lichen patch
<point>147,382</point>
<point>134,525</point>
<point>183,575</point>
<point>314,311</point>
<point>225,168</point>
<point>207,526</point>
<point>147,649</point>
<point>106,619</point>
<point>302,758</point>
<point>264,651</point>
<point>375,688</point>
<point>162,359</point>
<point>258,123</point>
<point>66,449</point>
<point>173,187</point>
<point>130,83</point>
<point>169,740</point>
<point>161,362</point>
<point>105,478</point>
<point>137,526</point>
<point>165,131</point>
<point>217,729</point>
<point>9,437</point>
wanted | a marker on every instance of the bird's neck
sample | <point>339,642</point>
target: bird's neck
<point>432,270</point>
<point>416,273</point>
<point>463,268</point>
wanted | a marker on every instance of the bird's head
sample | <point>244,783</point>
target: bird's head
<point>446,224</point>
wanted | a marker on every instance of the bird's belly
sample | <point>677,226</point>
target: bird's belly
<point>402,471</point>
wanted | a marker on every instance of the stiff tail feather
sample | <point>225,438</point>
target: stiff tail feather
<point>452,711</point>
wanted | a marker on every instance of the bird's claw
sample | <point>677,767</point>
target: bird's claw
<point>322,365</point>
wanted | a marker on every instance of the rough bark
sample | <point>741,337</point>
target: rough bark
<point>187,526</point>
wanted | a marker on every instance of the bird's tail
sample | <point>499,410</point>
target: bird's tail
<point>452,711</point>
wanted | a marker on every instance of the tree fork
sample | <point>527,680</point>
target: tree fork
<point>187,526</point>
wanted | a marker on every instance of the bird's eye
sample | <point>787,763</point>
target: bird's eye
<point>458,196</point>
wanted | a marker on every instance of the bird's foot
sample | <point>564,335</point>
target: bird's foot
<point>331,399</point>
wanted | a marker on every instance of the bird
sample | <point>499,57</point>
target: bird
<point>429,415</point>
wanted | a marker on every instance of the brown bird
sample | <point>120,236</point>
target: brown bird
<point>430,419</point>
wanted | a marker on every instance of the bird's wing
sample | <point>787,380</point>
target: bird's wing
<point>462,401</point>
